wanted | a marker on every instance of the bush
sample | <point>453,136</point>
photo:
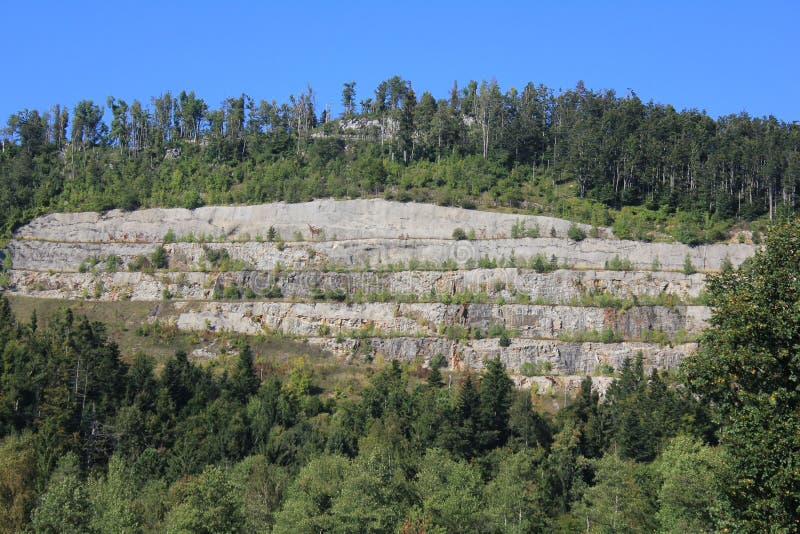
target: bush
<point>505,339</point>
<point>688,268</point>
<point>576,233</point>
<point>218,293</point>
<point>438,361</point>
<point>160,258</point>
<point>216,257</point>
<point>536,368</point>
<point>170,237</point>
<point>459,234</point>
<point>273,292</point>
<point>140,263</point>
<point>617,264</point>
<point>113,263</point>
<point>231,292</point>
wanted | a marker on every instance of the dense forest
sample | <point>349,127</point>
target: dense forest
<point>90,443</point>
<point>652,171</point>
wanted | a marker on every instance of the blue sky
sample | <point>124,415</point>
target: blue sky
<point>723,57</point>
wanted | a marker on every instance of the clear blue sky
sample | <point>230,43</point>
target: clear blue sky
<point>721,56</point>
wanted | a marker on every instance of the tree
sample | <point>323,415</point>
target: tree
<point>747,368</point>
<point>307,507</point>
<point>64,506</point>
<point>511,498</point>
<point>450,492</point>
<point>243,380</point>
<point>349,98</point>
<point>690,493</point>
<point>618,501</point>
<point>205,504</point>
<point>87,125</point>
<point>17,475</point>
<point>496,394</point>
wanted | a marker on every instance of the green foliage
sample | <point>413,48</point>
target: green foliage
<point>619,501</point>
<point>170,236</point>
<point>541,264</point>
<point>65,505</point>
<point>140,263</point>
<point>307,507</point>
<point>690,496</point>
<point>160,258</point>
<point>617,264</point>
<point>231,292</point>
<point>459,234</point>
<point>518,230</point>
<point>688,267</point>
<point>606,335</point>
<point>17,478</point>
<point>538,368</point>
<point>206,503</point>
<point>747,369</point>
<point>450,493</point>
<point>576,233</point>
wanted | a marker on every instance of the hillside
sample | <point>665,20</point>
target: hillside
<point>380,279</point>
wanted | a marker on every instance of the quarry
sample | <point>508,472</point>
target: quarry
<point>367,279</point>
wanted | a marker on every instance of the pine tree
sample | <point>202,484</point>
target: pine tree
<point>496,392</point>
<point>243,380</point>
<point>435,378</point>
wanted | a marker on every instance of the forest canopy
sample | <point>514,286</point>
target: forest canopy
<point>589,155</point>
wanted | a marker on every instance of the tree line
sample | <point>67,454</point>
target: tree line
<point>480,146</point>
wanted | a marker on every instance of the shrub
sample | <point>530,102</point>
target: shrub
<point>113,263</point>
<point>231,292</point>
<point>607,335</point>
<point>576,233</point>
<point>688,268</point>
<point>160,258</point>
<point>170,237</point>
<point>617,264</point>
<point>536,368</point>
<point>140,263</point>
<point>487,263</point>
<point>438,361</point>
<point>459,234</point>
<point>505,339</point>
<point>273,292</point>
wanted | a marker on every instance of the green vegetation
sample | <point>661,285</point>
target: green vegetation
<point>617,264</point>
<point>606,335</point>
<point>576,233</point>
<point>518,230</point>
<point>644,168</point>
<point>179,445</point>
<point>538,368</point>
<point>257,447</point>
<point>747,369</point>
<point>109,426</point>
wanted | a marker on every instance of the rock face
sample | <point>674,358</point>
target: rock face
<point>337,219</point>
<point>559,287</point>
<point>363,278</point>
<point>527,321</point>
<point>391,253</point>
